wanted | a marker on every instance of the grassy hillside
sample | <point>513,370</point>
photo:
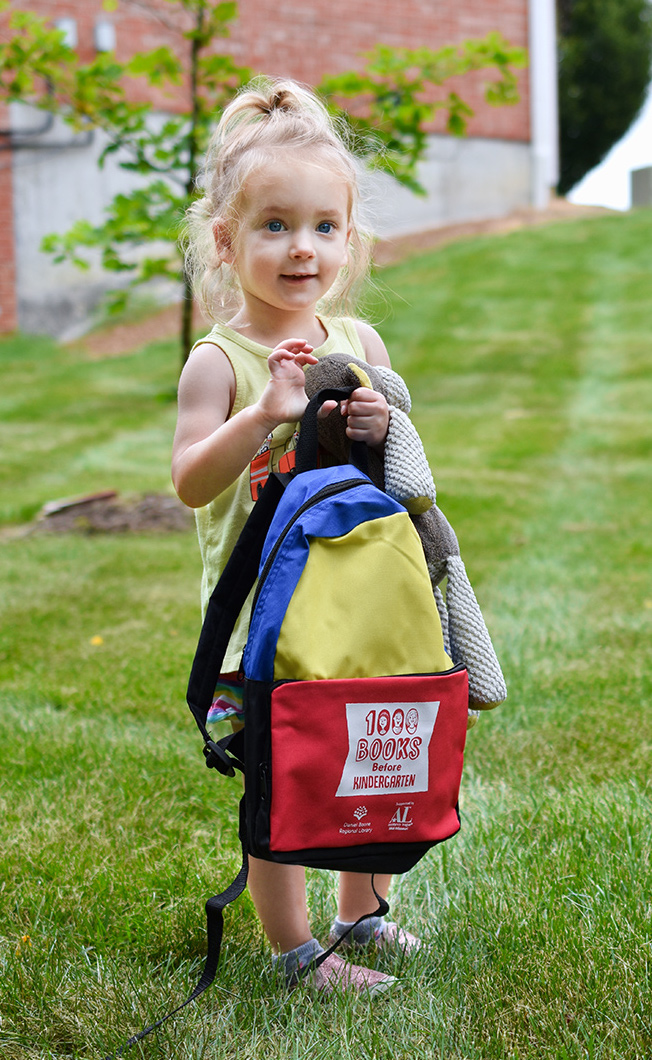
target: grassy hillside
<point>529,360</point>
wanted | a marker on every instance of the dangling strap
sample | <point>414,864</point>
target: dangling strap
<point>224,606</point>
<point>214,929</point>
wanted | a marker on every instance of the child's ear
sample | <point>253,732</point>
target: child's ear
<point>223,241</point>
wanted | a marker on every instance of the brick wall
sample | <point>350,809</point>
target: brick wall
<point>306,39</point>
<point>303,39</point>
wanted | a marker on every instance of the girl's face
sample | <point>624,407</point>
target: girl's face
<point>292,233</point>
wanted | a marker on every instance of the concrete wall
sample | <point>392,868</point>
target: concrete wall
<point>54,185</point>
<point>485,175</point>
<point>8,317</point>
<point>467,179</point>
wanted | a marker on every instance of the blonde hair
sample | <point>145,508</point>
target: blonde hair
<point>266,117</point>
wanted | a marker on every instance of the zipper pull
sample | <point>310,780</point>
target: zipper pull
<point>264,787</point>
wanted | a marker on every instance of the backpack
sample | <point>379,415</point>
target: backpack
<point>355,717</point>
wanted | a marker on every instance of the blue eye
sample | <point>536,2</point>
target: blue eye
<point>274,226</point>
<point>326,227</point>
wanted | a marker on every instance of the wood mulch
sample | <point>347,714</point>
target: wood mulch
<point>107,512</point>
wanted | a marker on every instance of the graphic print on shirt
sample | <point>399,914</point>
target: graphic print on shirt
<point>271,457</point>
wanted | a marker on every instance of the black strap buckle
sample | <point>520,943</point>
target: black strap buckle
<point>217,758</point>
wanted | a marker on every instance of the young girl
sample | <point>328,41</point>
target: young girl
<point>277,226</point>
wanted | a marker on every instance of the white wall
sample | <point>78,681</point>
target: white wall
<point>466,179</point>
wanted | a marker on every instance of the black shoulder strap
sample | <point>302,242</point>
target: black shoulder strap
<point>239,575</point>
<point>308,444</point>
<point>227,601</point>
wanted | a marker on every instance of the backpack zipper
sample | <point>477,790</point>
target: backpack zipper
<point>327,491</point>
<point>456,668</point>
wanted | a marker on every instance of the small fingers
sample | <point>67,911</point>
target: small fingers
<point>365,403</point>
<point>305,358</point>
<point>365,396</point>
<point>294,352</point>
<point>292,347</point>
<point>368,417</point>
<point>326,409</point>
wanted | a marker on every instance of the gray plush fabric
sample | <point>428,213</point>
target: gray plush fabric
<point>404,473</point>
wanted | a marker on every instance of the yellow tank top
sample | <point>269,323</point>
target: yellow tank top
<point>220,522</point>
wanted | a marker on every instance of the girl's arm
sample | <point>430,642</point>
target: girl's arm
<point>210,450</point>
<point>373,345</point>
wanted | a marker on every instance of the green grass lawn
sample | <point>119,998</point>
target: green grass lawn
<point>529,358</point>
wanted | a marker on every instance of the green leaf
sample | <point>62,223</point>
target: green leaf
<point>388,107</point>
<point>158,66</point>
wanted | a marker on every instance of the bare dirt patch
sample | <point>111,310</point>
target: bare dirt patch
<point>108,512</point>
<point>115,340</point>
<point>390,251</point>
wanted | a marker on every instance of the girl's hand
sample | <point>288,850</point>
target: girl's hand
<point>368,416</point>
<point>284,399</point>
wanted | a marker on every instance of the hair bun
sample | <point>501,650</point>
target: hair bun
<point>280,99</point>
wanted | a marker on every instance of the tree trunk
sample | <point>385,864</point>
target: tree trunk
<point>186,320</point>
<point>187,304</point>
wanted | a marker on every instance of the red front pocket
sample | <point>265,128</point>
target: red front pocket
<point>366,760</point>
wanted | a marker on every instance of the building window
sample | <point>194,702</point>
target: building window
<point>68,27</point>
<point>104,36</point>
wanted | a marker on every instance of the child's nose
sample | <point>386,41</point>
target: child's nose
<point>302,245</point>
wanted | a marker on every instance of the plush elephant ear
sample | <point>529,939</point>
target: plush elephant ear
<point>408,478</point>
<point>469,640</point>
<point>395,391</point>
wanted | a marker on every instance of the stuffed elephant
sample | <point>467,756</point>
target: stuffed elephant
<point>404,473</point>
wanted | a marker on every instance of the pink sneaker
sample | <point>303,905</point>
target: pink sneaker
<point>336,974</point>
<point>387,936</point>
